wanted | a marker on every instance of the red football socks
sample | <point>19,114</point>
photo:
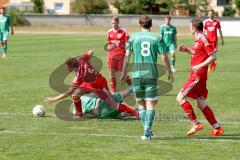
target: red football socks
<point>209,115</point>
<point>78,107</point>
<point>124,108</point>
<point>187,107</point>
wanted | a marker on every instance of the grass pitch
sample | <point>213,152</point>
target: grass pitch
<point>24,83</point>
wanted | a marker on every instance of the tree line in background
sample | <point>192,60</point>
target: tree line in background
<point>199,7</point>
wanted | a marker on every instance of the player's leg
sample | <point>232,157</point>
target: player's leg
<point>209,115</point>
<point>77,101</point>
<point>1,39</point>
<point>172,50</point>
<point>213,65</point>
<point>188,109</point>
<point>5,44</point>
<point>113,81</point>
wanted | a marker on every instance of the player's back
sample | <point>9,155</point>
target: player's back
<point>145,47</point>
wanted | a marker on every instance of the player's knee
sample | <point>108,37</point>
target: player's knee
<point>201,104</point>
<point>75,97</point>
<point>180,99</point>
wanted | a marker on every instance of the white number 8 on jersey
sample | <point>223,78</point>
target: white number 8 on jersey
<point>145,48</point>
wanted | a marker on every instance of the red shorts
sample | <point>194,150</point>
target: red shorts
<point>194,88</point>
<point>98,87</point>
<point>115,62</point>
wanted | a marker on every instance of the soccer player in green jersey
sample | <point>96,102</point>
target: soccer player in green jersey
<point>169,34</point>
<point>145,47</point>
<point>5,24</point>
<point>93,105</point>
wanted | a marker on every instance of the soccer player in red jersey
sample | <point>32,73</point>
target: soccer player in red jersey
<point>88,80</point>
<point>117,37</point>
<point>211,25</point>
<point>202,54</point>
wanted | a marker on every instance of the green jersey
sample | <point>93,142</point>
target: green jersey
<point>168,33</point>
<point>89,102</point>
<point>4,23</point>
<point>145,47</point>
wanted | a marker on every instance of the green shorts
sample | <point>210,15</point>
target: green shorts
<point>105,112</point>
<point>145,88</point>
<point>171,48</point>
<point>3,36</point>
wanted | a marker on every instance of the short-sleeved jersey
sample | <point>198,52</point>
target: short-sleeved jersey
<point>4,23</point>
<point>168,33</point>
<point>89,101</point>
<point>85,73</point>
<point>202,49</point>
<point>118,39</point>
<point>145,47</point>
<point>210,29</point>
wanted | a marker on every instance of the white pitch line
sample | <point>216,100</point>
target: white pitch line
<point>122,136</point>
<point>181,120</point>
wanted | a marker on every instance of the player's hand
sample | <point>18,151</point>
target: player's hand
<point>222,43</point>
<point>12,33</point>
<point>182,48</point>
<point>49,100</point>
<point>196,68</point>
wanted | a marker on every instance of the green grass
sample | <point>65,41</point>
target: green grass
<point>24,83</point>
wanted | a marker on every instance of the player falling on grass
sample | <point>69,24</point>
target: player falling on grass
<point>5,24</point>
<point>145,47</point>
<point>117,37</point>
<point>88,80</point>
<point>169,34</point>
<point>202,54</point>
<point>211,25</point>
<point>93,105</point>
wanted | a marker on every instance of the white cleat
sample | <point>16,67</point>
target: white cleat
<point>173,69</point>
<point>145,138</point>
<point>4,55</point>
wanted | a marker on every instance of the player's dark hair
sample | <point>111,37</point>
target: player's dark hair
<point>72,62</point>
<point>3,8</point>
<point>168,17</point>
<point>145,22</point>
<point>115,18</point>
<point>211,10</point>
<point>198,24</point>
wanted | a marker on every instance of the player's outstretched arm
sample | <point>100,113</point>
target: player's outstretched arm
<point>183,48</point>
<point>221,35</point>
<point>59,97</point>
<point>208,61</point>
<point>125,65</point>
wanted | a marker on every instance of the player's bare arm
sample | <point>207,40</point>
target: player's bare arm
<point>208,61</point>
<point>183,48</point>
<point>221,35</point>
<point>166,61</point>
<point>125,65</point>
<point>61,96</point>
<point>12,30</point>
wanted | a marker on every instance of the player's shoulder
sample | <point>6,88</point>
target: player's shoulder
<point>123,30</point>
<point>109,31</point>
<point>204,39</point>
<point>163,26</point>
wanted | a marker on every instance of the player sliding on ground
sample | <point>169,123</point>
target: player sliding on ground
<point>146,46</point>
<point>5,24</point>
<point>88,80</point>
<point>202,54</point>
<point>117,37</point>
<point>93,105</point>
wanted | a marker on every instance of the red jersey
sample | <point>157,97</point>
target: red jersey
<point>202,49</point>
<point>85,73</point>
<point>118,39</point>
<point>210,29</point>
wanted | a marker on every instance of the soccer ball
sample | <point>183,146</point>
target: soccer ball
<point>39,111</point>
